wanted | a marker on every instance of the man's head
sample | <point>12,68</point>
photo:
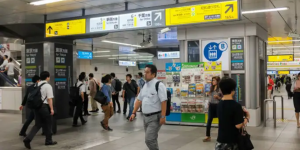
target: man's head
<point>81,77</point>
<point>91,76</point>
<point>140,75</point>
<point>128,77</point>
<point>35,79</point>
<point>10,60</point>
<point>227,86</point>
<point>150,72</point>
<point>106,79</point>
<point>113,75</point>
<point>5,57</point>
<point>83,74</point>
<point>45,75</point>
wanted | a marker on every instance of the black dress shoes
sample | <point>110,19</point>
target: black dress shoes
<point>50,143</point>
<point>27,143</point>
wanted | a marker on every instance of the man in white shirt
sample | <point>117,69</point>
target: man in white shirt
<point>79,103</point>
<point>154,105</point>
<point>43,116</point>
<point>3,65</point>
<point>10,69</point>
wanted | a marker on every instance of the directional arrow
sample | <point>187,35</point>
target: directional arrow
<point>49,29</point>
<point>158,15</point>
<point>230,6</point>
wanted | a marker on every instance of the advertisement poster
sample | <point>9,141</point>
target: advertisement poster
<point>213,66</point>
<point>216,50</point>
<point>34,57</point>
<point>209,74</point>
<point>63,69</point>
<point>240,88</point>
<point>173,67</point>
<point>237,54</point>
<point>161,74</point>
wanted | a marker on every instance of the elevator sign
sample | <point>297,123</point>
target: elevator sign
<point>63,28</point>
<point>202,13</point>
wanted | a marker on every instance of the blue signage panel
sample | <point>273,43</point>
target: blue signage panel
<point>271,72</point>
<point>213,51</point>
<point>294,72</point>
<point>173,67</point>
<point>85,55</point>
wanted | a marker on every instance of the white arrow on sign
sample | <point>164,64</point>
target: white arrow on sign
<point>158,15</point>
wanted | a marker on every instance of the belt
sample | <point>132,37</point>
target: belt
<point>147,115</point>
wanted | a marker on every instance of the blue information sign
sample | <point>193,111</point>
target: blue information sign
<point>173,67</point>
<point>85,55</point>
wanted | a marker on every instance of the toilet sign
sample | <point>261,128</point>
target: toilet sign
<point>216,50</point>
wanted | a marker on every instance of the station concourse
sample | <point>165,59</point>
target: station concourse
<point>191,43</point>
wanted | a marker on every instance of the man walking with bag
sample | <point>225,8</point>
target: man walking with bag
<point>154,105</point>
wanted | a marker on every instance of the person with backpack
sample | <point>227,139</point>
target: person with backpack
<point>153,98</point>
<point>93,87</point>
<point>107,107</point>
<point>86,97</point>
<point>130,89</point>
<point>81,89</point>
<point>141,83</point>
<point>30,117</point>
<point>116,87</point>
<point>40,100</point>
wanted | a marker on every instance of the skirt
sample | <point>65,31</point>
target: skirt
<point>296,99</point>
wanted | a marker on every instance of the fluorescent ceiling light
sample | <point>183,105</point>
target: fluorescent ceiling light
<point>119,43</point>
<point>42,2</point>
<point>101,52</point>
<point>264,10</point>
<point>284,41</point>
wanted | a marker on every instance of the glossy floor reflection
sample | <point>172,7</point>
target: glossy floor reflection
<point>130,136</point>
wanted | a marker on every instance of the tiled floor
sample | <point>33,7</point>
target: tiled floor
<point>130,136</point>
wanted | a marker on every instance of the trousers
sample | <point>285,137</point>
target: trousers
<point>212,113</point>
<point>152,126</point>
<point>43,119</point>
<point>115,99</point>
<point>78,112</point>
<point>28,121</point>
<point>93,103</point>
<point>108,113</point>
<point>85,104</point>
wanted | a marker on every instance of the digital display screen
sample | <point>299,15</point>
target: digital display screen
<point>127,63</point>
<point>85,55</point>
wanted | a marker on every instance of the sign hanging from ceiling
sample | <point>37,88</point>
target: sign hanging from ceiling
<point>220,11</point>
<point>278,58</point>
<point>63,28</point>
<point>168,55</point>
<point>280,40</point>
<point>283,72</point>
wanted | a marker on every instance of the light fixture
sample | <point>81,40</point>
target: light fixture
<point>119,43</point>
<point>265,10</point>
<point>283,47</point>
<point>42,2</point>
<point>101,52</point>
<point>284,41</point>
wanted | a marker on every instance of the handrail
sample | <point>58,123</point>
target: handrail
<point>274,111</point>
<point>282,105</point>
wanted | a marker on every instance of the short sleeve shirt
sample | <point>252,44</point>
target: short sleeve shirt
<point>230,114</point>
<point>152,99</point>
<point>82,88</point>
<point>46,91</point>
<point>130,89</point>
<point>10,68</point>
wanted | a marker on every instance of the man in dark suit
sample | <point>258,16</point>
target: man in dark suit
<point>30,117</point>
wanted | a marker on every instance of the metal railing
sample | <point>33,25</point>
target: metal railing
<point>282,105</point>
<point>274,111</point>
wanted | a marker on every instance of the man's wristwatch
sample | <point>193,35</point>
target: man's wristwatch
<point>163,117</point>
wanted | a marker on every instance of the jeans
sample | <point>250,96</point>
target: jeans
<point>43,119</point>
<point>212,113</point>
<point>130,101</point>
<point>29,119</point>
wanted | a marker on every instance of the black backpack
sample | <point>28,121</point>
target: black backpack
<point>74,94</point>
<point>168,101</point>
<point>34,98</point>
<point>100,96</point>
<point>118,86</point>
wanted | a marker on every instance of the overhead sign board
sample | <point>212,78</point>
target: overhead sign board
<point>85,55</point>
<point>137,20</point>
<point>271,72</point>
<point>63,28</point>
<point>220,11</point>
<point>127,63</point>
<point>168,55</point>
<point>280,40</point>
<point>283,72</point>
<point>277,58</point>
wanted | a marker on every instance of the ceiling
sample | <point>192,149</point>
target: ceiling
<point>278,24</point>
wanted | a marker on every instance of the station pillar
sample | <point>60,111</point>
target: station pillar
<point>56,57</point>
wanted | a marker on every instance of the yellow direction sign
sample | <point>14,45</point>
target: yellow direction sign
<point>64,28</point>
<point>274,58</point>
<point>283,72</point>
<point>280,40</point>
<point>220,11</point>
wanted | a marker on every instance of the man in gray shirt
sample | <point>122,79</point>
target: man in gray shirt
<point>154,105</point>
